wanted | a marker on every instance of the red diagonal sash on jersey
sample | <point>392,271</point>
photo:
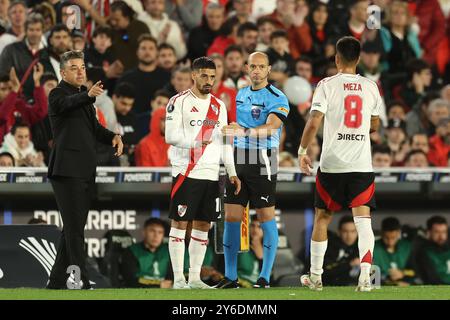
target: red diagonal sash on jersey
<point>204,135</point>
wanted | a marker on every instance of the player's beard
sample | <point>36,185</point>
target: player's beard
<point>205,89</point>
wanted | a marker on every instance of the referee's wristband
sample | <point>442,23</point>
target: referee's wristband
<point>302,151</point>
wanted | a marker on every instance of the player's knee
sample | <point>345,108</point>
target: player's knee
<point>181,225</point>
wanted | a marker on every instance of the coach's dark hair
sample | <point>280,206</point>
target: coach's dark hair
<point>203,63</point>
<point>390,224</point>
<point>344,220</point>
<point>246,26</point>
<point>381,148</point>
<point>48,76</point>
<point>152,221</point>
<point>435,220</point>
<point>7,154</point>
<point>125,89</point>
<point>349,49</point>
<point>34,18</point>
<point>123,7</point>
<point>233,48</point>
<point>70,55</point>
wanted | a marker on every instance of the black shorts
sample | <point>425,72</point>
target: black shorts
<point>258,178</point>
<point>335,191</point>
<point>196,199</point>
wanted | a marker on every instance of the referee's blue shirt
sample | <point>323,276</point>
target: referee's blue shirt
<point>252,109</point>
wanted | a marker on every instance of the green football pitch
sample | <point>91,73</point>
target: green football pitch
<point>329,293</point>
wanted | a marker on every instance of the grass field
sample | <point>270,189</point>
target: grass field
<point>329,293</point>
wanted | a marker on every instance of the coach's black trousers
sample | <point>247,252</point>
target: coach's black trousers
<point>73,196</point>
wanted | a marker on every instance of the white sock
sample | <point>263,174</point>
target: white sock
<point>176,251</point>
<point>197,250</point>
<point>318,249</point>
<point>366,242</point>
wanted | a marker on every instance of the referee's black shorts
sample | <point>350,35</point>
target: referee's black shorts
<point>335,191</point>
<point>257,170</point>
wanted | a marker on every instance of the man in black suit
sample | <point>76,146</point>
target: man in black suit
<point>72,164</point>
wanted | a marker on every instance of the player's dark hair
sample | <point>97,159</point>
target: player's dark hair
<point>48,76</point>
<point>246,26</point>
<point>95,74</point>
<point>153,221</point>
<point>233,48</point>
<point>7,154</point>
<point>203,63</point>
<point>161,93</point>
<point>164,45</point>
<point>390,224</point>
<point>381,148</point>
<point>279,34</point>
<point>413,153</point>
<point>344,220</point>
<point>435,220</point>
<point>123,7</point>
<point>416,66</point>
<point>102,30</point>
<point>349,49</point>
<point>125,89</point>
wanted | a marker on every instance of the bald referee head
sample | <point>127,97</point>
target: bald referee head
<point>258,69</point>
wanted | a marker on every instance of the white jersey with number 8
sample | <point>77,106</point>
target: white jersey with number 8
<point>348,102</point>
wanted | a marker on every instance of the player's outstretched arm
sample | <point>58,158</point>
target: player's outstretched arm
<point>311,128</point>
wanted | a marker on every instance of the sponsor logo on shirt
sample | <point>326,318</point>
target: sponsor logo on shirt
<point>194,109</point>
<point>206,122</point>
<point>351,137</point>
<point>170,108</point>
<point>283,109</point>
<point>256,112</point>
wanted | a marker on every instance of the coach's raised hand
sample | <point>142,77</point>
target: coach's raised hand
<point>96,90</point>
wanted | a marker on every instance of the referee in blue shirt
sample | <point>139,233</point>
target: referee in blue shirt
<point>261,110</point>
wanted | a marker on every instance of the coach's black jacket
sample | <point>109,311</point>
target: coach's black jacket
<point>75,131</point>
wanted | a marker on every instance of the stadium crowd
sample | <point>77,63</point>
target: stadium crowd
<point>142,50</point>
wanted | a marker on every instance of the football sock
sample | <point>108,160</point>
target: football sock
<point>270,245</point>
<point>176,251</point>
<point>366,242</point>
<point>231,245</point>
<point>197,250</point>
<point>318,249</point>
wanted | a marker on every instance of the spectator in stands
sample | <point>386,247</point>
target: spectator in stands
<point>6,160</point>
<point>249,262</point>
<point>419,80</point>
<point>265,26</point>
<point>187,13</point>
<point>396,110</point>
<point>147,263</point>
<point>103,101</point>
<point>167,58</point>
<point>417,118</point>
<point>341,261</point>
<point>304,68</point>
<point>18,144</point>
<point>152,150</point>
<point>159,101</point>
<point>369,65</point>
<point>437,110</point>
<point>4,5</point>
<point>381,156</point>
<point>126,33</point>
<point>48,13</point>
<point>440,144</point>
<point>416,159</point>
<point>201,37</point>
<point>247,38</point>
<point>181,80</point>
<point>397,140</point>
<point>434,255</point>
<point>165,30</point>
<point>287,160</point>
<point>17,15</point>
<point>431,21</point>
<point>227,36</point>
<point>392,254</point>
<point>147,77</point>
<point>59,41</point>
<point>227,95</point>
<point>48,82</point>
<point>419,141</point>
<point>400,42</point>
<point>290,15</point>
<point>123,99</point>
<point>13,108</point>
<point>234,68</point>
<point>242,9</point>
<point>21,54</point>
<point>99,52</point>
<point>445,92</point>
<point>279,58</point>
<point>5,38</point>
<point>323,37</point>
<point>78,40</point>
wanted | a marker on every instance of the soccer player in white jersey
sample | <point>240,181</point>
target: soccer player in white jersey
<point>350,105</point>
<point>194,120</point>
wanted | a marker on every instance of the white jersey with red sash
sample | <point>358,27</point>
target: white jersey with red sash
<point>189,121</point>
